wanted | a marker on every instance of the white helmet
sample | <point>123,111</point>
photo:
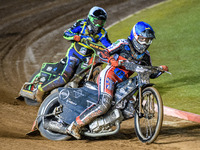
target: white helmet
<point>96,18</point>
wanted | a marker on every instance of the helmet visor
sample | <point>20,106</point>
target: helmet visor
<point>97,22</point>
<point>143,40</point>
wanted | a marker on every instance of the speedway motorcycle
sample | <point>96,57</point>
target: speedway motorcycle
<point>87,71</point>
<point>135,97</point>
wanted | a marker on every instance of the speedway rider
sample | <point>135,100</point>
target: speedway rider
<point>135,49</point>
<point>91,29</point>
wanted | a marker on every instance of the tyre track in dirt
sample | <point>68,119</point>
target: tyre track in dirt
<point>30,34</point>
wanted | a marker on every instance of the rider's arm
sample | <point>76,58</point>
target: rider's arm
<point>73,32</point>
<point>112,49</point>
<point>104,38</point>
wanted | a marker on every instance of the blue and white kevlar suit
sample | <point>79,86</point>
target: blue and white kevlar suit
<point>77,52</point>
<point>110,75</point>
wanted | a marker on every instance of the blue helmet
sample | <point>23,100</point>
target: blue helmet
<point>141,36</point>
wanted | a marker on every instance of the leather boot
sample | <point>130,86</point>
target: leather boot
<point>39,95</point>
<point>73,130</point>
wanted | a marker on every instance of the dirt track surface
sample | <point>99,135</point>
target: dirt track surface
<point>30,34</point>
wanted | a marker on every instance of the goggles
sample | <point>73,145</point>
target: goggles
<point>143,40</point>
<point>97,22</point>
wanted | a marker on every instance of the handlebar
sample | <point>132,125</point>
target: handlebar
<point>129,65</point>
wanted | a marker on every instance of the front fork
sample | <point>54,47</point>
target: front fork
<point>140,98</point>
<point>140,102</point>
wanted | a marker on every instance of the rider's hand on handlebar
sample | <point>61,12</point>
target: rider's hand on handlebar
<point>164,68</point>
<point>77,38</point>
<point>113,62</point>
<point>83,40</point>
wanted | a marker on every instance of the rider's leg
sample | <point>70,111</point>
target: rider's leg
<point>90,114</point>
<point>61,80</point>
<point>106,83</point>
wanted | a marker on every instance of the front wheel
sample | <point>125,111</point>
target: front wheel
<point>148,125</point>
<point>47,108</point>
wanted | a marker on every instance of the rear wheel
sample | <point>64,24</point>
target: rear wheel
<point>147,126</point>
<point>46,108</point>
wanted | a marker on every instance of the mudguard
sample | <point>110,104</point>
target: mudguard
<point>147,85</point>
<point>75,101</point>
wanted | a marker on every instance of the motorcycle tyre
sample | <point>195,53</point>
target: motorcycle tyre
<point>159,120</point>
<point>47,107</point>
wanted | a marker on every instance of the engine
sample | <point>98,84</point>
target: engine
<point>104,123</point>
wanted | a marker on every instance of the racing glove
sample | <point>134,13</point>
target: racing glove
<point>164,68</point>
<point>113,62</point>
<point>77,38</point>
